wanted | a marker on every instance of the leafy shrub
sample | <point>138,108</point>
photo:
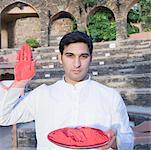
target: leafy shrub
<point>102,26</point>
<point>134,16</point>
<point>32,43</point>
<point>89,3</point>
<point>147,30</point>
<point>132,29</point>
<point>74,25</point>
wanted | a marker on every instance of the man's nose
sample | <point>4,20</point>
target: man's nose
<point>77,62</point>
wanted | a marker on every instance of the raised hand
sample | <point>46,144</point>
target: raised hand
<point>25,65</point>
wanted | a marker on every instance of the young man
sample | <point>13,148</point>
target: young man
<point>76,100</point>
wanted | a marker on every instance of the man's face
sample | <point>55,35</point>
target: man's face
<point>76,59</point>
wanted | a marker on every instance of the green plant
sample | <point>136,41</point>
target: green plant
<point>134,16</point>
<point>102,26</point>
<point>145,12</point>
<point>132,29</point>
<point>89,3</point>
<point>147,30</point>
<point>32,42</point>
<point>141,13</point>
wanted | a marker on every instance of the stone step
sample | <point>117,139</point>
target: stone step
<point>98,60</point>
<point>133,41</point>
<point>112,45</point>
<point>101,67</point>
<point>120,69</point>
<point>125,68</point>
<point>120,55</point>
<point>113,80</point>
<point>125,81</point>
<point>26,135</point>
<point>131,48</point>
<point>137,97</point>
<point>122,60</point>
<point>124,49</point>
<point>100,54</point>
<point>7,65</point>
<point>52,52</point>
<point>105,69</point>
<point>134,109</point>
<point>120,51</point>
<point>127,42</point>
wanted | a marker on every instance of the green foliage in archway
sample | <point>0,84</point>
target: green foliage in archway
<point>102,26</point>
<point>140,13</point>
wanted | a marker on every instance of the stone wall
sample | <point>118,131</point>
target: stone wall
<point>61,26</point>
<point>74,8</point>
<point>26,28</point>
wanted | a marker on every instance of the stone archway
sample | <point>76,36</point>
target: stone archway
<point>62,23</point>
<point>138,19</point>
<point>19,21</point>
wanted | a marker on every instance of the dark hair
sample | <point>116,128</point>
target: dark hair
<point>74,37</point>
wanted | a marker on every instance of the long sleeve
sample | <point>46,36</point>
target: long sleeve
<point>12,108</point>
<point>125,138</point>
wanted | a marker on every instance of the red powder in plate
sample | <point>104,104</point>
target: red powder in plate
<point>78,137</point>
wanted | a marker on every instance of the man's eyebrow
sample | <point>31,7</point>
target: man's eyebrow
<point>85,54</point>
<point>68,53</point>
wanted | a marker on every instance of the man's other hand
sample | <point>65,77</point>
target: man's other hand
<point>112,143</point>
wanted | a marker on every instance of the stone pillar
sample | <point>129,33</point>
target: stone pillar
<point>121,28</point>
<point>81,22</point>
<point>0,30</point>
<point>81,26</point>
<point>44,20</point>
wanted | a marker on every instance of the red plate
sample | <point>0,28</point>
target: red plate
<point>81,137</point>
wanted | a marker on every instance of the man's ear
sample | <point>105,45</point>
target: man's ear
<point>60,58</point>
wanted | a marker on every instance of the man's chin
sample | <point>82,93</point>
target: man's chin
<point>78,79</point>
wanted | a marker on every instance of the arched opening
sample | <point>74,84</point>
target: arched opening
<point>19,22</point>
<point>139,19</point>
<point>101,24</point>
<point>62,23</point>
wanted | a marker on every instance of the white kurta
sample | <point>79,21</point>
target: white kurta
<point>59,105</point>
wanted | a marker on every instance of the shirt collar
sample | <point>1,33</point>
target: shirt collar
<point>78,85</point>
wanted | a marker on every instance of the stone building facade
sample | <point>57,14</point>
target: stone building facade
<point>42,19</point>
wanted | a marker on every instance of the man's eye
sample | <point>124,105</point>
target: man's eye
<point>69,55</point>
<point>85,56</point>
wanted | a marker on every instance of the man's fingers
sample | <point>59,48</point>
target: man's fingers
<point>18,55</point>
<point>109,144</point>
<point>22,53</point>
<point>28,52</point>
<point>25,53</point>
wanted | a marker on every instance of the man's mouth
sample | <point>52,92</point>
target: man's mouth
<point>76,71</point>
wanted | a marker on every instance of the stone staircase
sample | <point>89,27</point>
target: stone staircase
<point>124,65</point>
